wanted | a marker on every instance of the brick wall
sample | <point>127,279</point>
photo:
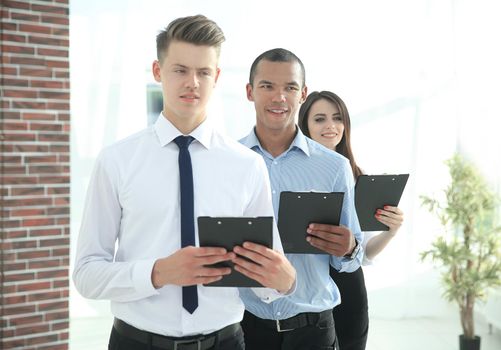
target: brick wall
<point>35,174</point>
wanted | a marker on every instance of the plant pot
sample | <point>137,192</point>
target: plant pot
<point>469,344</point>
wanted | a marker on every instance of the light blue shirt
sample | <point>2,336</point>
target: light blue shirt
<point>307,166</point>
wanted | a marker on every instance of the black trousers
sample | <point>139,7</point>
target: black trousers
<point>119,342</point>
<point>352,315</point>
<point>260,336</point>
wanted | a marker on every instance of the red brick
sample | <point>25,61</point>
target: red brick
<point>15,234</point>
<point>8,70</point>
<point>19,137</point>
<point>45,264</point>
<point>50,84</point>
<point>49,338</point>
<point>13,300</point>
<point>54,179</point>
<point>16,4</point>
<point>18,321</point>
<point>9,26</point>
<point>27,60</point>
<point>58,64</point>
<point>60,252</point>
<point>39,116</point>
<point>28,105</point>
<point>16,180</point>
<point>14,267</point>
<point>15,82</point>
<point>52,52</point>
<point>62,201</point>
<point>26,202</point>
<point>56,20</point>
<point>10,159</point>
<point>17,310</point>
<point>60,283</point>
<point>32,329</point>
<point>25,191</point>
<point>58,95</point>
<point>45,232</point>
<point>14,344</point>
<point>53,137</point>
<point>48,41</point>
<point>61,31</point>
<point>36,72</point>
<point>33,286</point>
<point>58,190</point>
<point>60,325</point>
<point>38,222</point>
<point>11,115</point>
<point>31,28</point>
<point>20,93</point>
<point>58,106</point>
<point>44,296</point>
<point>59,148</point>
<point>48,169</point>
<point>41,159</point>
<point>50,9</point>
<point>53,316</point>
<point>24,16</point>
<point>13,38</point>
<point>58,305</point>
<point>62,74</point>
<point>18,49</point>
<point>17,245</point>
<point>10,224</point>
<point>54,242</point>
<point>58,211</point>
<point>28,212</point>
<point>15,126</point>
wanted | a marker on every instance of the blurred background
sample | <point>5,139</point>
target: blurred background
<point>420,78</point>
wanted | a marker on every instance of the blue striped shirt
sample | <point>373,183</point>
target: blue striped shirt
<point>307,166</point>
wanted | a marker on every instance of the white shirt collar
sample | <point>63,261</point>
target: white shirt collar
<point>167,132</point>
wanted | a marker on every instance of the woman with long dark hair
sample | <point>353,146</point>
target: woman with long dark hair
<point>325,118</point>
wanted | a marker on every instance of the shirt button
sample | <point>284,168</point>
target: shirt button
<point>278,313</point>
<point>273,191</point>
<point>275,162</point>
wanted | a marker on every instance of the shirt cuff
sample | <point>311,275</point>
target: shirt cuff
<point>268,295</point>
<point>141,277</point>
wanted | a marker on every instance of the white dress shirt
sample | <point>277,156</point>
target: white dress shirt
<point>132,217</point>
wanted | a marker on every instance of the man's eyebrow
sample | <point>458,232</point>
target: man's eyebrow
<point>293,83</point>
<point>179,65</point>
<point>265,82</point>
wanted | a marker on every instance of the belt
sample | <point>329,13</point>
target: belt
<point>198,342</point>
<point>300,320</point>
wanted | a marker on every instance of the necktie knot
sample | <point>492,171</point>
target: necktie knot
<point>183,141</point>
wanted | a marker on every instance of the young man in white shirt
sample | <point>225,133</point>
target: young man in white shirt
<point>134,198</point>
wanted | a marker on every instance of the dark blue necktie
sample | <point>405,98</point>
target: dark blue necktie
<point>190,297</point>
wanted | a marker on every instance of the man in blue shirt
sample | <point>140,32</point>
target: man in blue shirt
<point>296,163</point>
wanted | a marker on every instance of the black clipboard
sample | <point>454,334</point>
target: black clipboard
<point>227,232</point>
<point>373,192</point>
<point>298,209</point>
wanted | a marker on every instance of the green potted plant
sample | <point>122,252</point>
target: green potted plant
<point>468,249</point>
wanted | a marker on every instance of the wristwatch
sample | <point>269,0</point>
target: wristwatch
<point>354,252</point>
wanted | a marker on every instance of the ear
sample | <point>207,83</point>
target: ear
<point>155,68</point>
<point>304,94</point>
<point>218,71</point>
<point>248,87</point>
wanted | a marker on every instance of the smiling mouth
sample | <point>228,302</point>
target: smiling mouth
<point>329,135</point>
<point>277,110</point>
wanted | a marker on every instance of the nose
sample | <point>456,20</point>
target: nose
<point>279,96</point>
<point>192,81</point>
